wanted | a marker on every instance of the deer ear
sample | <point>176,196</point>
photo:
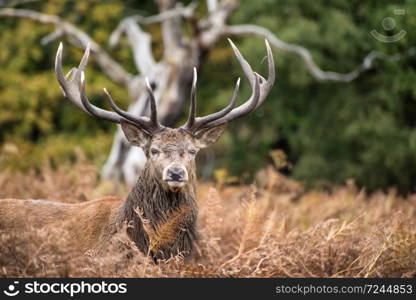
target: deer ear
<point>134,134</point>
<point>208,137</point>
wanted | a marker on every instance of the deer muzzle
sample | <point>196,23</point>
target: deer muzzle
<point>175,175</point>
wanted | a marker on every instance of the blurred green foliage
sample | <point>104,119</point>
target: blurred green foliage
<point>330,131</point>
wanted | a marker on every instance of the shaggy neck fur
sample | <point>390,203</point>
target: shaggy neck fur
<point>162,221</point>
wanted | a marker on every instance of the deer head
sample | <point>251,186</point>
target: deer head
<point>170,152</point>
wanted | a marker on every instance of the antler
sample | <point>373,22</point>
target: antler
<point>74,90</point>
<point>260,88</point>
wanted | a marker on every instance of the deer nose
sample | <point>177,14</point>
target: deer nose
<point>176,174</point>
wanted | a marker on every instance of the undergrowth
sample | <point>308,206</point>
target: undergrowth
<point>272,230</point>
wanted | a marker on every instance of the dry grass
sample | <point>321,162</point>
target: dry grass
<point>272,231</point>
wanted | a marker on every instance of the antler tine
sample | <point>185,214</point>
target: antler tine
<point>260,88</point>
<point>243,109</point>
<point>74,90</point>
<point>266,86</point>
<point>74,74</point>
<point>200,122</point>
<point>192,109</point>
<point>143,122</point>
<point>94,110</point>
<point>153,109</point>
<point>60,74</point>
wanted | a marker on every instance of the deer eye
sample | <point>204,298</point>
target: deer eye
<point>192,152</point>
<point>154,151</point>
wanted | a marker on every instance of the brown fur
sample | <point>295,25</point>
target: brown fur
<point>87,223</point>
<point>159,209</point>
<point>161,219</point>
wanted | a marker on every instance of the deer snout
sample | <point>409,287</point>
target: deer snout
<point>175,175</point>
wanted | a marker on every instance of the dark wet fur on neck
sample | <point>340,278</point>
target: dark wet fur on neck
<point>174,213</point>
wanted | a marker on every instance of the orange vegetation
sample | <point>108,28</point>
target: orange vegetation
<point>273,230</point>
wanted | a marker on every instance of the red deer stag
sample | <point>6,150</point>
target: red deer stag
<point>164,194</point>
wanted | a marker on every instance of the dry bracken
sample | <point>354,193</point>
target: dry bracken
<point>243,232</point>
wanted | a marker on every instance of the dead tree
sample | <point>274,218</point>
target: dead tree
<point>171,76</point>
<point>161,209</point>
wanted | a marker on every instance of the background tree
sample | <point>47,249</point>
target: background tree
<point>331,126</point>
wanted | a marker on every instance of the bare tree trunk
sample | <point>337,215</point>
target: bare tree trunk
<point>171,76</point>
<point>170,82</point>
<point>170,79</point>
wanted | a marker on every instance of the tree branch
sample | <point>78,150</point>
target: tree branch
<point>78,38</point>
<point>140,43</point>
<point>171,28</point>
<point>313,68</point>
<point>57,34</point>
<point>212,27</point>
<point>212,5</point>
<point>11,3</point>
<point>178,11</point>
